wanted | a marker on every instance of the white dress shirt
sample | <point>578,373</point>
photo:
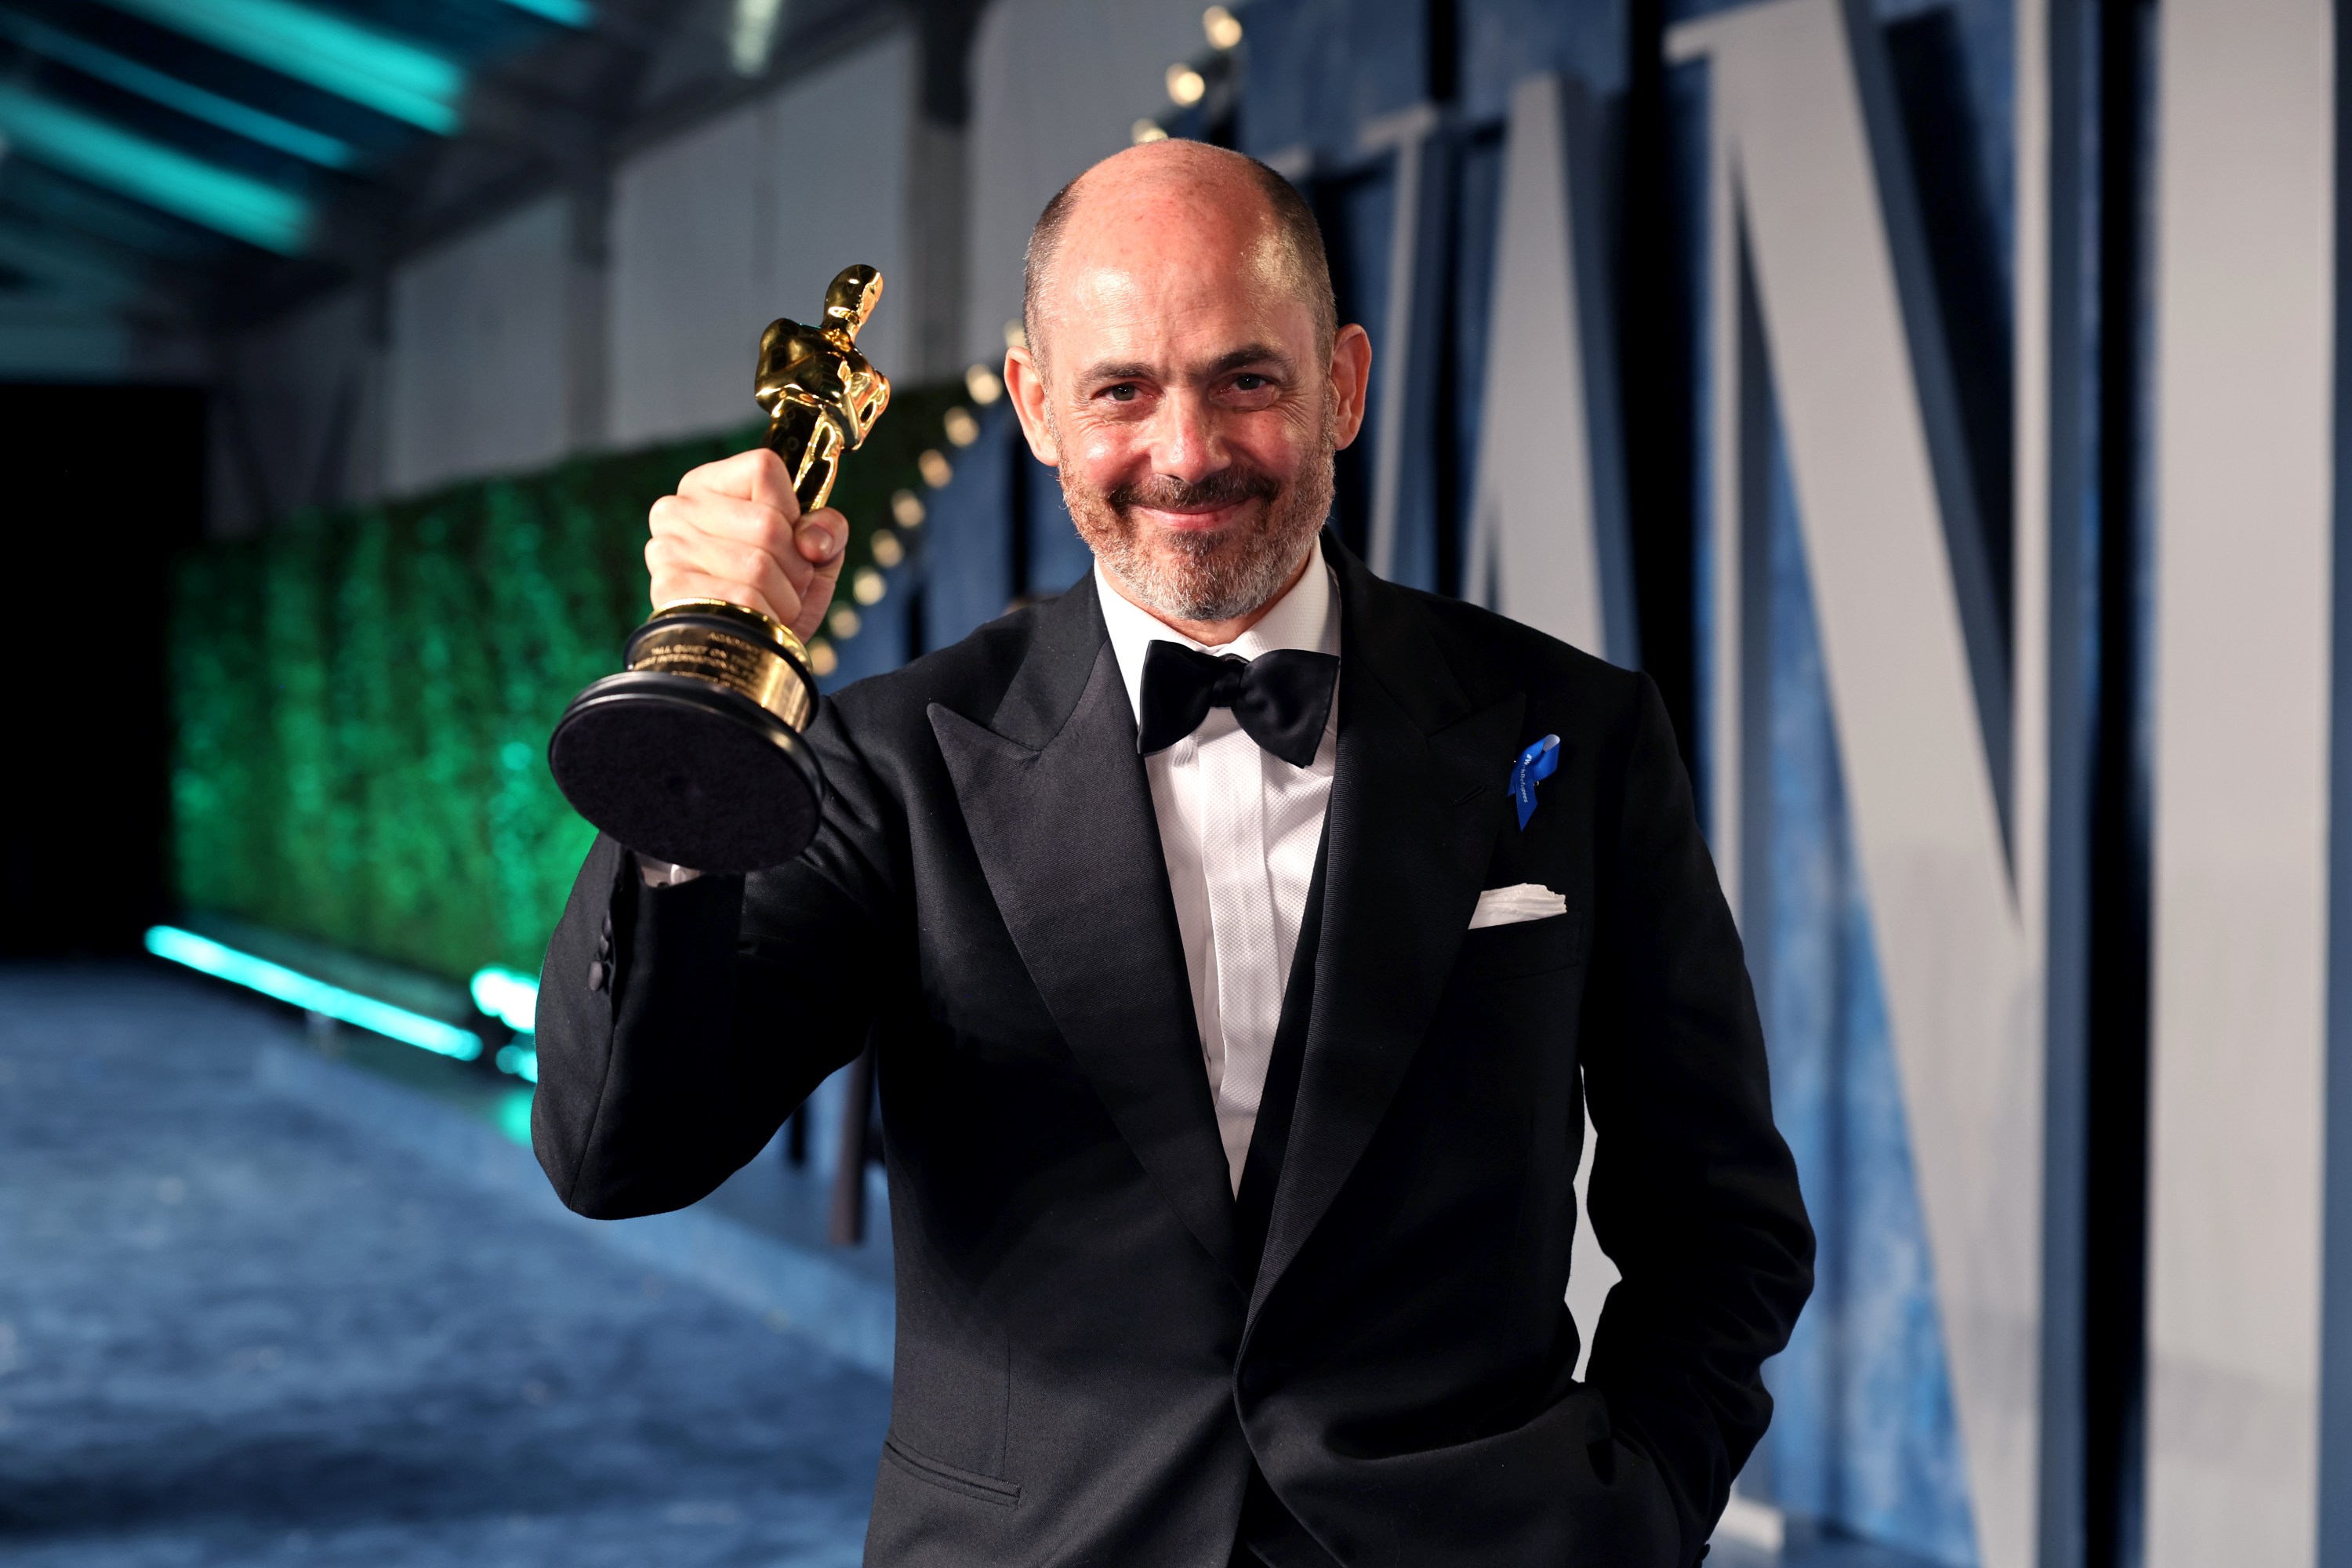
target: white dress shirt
<point>1240,827</point>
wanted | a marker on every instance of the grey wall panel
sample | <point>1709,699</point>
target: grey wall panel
<point>2244,487</point>
<point>686,306</point>
<point>746,218</point>
<point>1056,84</point>
<point>477,362</point>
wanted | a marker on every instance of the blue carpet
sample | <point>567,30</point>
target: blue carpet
<point>236,1327</point>
<point>231,1333</point>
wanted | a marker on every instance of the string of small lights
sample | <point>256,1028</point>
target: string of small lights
<point>887,547</point>
<point>1201,89</point>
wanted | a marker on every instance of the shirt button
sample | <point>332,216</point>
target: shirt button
<point>596,975</point>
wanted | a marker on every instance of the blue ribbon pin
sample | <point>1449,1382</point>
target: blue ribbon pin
<point>1536,763</point>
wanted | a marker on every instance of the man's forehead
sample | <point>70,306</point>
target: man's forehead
<point>1174,276</point>
<point>1106,321</point>
<point>1170,178</point>
<point>1171,241</point>
<point>1178,255</point>
<point>1131,286</point>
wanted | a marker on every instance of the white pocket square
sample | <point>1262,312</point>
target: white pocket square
<point>1508,906</point>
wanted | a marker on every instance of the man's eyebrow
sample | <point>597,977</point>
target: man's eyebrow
<point>1118,370</point>
<point>1110,371</point>
<point>1249,355</point>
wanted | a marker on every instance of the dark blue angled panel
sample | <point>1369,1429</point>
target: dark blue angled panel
<point>967,538</point>
<point>1318,69</point>
<point>1057,557</point>
<point>1498,42</point>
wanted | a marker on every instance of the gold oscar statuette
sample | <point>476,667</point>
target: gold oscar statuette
<point>693,753</point>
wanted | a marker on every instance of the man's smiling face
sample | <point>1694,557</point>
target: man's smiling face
<point>1183,387</point>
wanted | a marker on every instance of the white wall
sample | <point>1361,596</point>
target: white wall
<point>1057,84</point>
<point>746,218</point>
<point>712,235</point>
<point>478,359</point>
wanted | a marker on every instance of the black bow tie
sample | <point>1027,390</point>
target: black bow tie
<point>1280,699</point>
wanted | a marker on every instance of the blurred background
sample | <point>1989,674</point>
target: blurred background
<point>1941,399</point>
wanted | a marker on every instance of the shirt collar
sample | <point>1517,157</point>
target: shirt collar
<point>1304,617</point>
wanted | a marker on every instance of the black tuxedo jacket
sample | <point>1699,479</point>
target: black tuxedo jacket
<point>1087,1361</point>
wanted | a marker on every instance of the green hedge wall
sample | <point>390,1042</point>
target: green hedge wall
<point>363,697</point>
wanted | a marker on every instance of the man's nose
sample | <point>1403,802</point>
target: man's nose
<point>1187,444</point>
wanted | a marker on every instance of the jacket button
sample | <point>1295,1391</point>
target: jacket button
<point>596,975</point>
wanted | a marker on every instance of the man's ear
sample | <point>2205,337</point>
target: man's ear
<point>1351,374</point>
<point>1025,381</point>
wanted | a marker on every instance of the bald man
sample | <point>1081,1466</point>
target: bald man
<point>1240,938</point>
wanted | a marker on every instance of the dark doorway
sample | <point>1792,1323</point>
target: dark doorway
<point>106,486</point>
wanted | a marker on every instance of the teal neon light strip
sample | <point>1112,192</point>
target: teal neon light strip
<point>510,998</point>
<point>520,1060</point>
<point>389,75</point>
<point>253,124</point>
<point>563,13</point>
<point>209,957</point>
<point>161,176</point>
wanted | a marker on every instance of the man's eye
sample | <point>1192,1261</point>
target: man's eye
<point>1249,383</point>
<point>1123,393</point>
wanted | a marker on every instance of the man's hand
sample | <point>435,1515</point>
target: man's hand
<point>734,531</point>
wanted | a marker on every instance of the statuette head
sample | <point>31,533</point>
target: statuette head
<point>852,297</point>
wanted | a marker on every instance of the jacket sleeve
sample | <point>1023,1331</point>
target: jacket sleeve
<point>679,1025</point>
<point>1693,1195</point>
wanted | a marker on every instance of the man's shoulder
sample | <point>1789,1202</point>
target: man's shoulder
<point>969,677</point>
<point>1493,657</point>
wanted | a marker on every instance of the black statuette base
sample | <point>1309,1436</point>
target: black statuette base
<point>687,771</point>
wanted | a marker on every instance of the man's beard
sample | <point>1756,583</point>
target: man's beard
<point>1202,577</point>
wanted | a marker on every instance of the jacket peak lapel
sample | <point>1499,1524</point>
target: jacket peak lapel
<point>1060,814</point>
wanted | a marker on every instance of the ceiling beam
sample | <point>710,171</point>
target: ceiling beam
<point>392,76</point>
<point>577,14</point>
<point>180,97</point>
<point>225,201</point>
